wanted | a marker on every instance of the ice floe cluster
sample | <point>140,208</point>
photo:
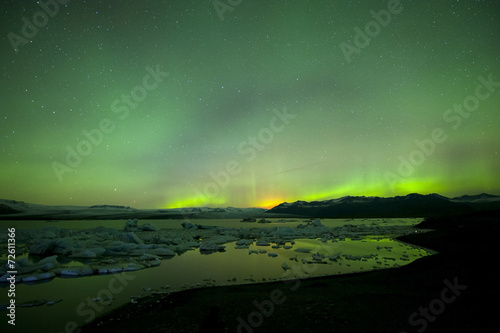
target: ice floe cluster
<point>103,250</point>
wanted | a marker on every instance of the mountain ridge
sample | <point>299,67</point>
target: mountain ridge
<point>410,205</point>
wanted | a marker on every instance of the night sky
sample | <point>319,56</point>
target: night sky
<point>163,104</point>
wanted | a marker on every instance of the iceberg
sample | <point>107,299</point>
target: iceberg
<point>75,271</point>
<point>131,237</point>
<point>39,277</point>
<point>285,266</point>
<point>335,256</point>
<point>160,252</point>
<point>211,247</point>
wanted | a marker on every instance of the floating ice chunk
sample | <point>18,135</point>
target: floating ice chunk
<point>46,264</point>
<point>115,244</point>
<point>211,247</point>
<point>187,225</point>
<point>177,241</point>
<point>318,257</point>
<point>147,256</point>
<point>131,225</point>
<point>84,254</point>
<point>110,270</point>
<point>39,277</point>
<point>162,251</point>
<point>76,271</point>
<point>351,257</point>
<point>152,263</point>
<point>42,246</point>
<point>245,242</point>
<point>317,223</point>
<point>99,251</point>
<point>49,234</point>
<point>148,227</point>
<point>50,303</point>
<point>130,237</point>
<point>285,266</point>
<point>6,276</point>
<point>191,244</point>
<point>335,256</point>
<point>223,239</point>
<point>284,231</point>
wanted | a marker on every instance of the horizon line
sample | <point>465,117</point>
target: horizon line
<point>248,207</point>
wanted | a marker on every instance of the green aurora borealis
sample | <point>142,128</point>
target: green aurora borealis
<point>162,104</point>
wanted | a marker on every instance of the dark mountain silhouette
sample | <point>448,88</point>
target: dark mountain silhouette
<point>4,209</point>
<point>411,205</point>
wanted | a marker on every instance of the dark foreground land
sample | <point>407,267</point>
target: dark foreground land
<point>456,290</point>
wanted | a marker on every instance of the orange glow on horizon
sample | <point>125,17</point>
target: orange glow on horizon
<point>268,204</point>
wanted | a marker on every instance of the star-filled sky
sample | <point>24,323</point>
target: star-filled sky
<point>164,104</point>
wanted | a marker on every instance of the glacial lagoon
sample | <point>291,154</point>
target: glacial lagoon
<point>345,246</point>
